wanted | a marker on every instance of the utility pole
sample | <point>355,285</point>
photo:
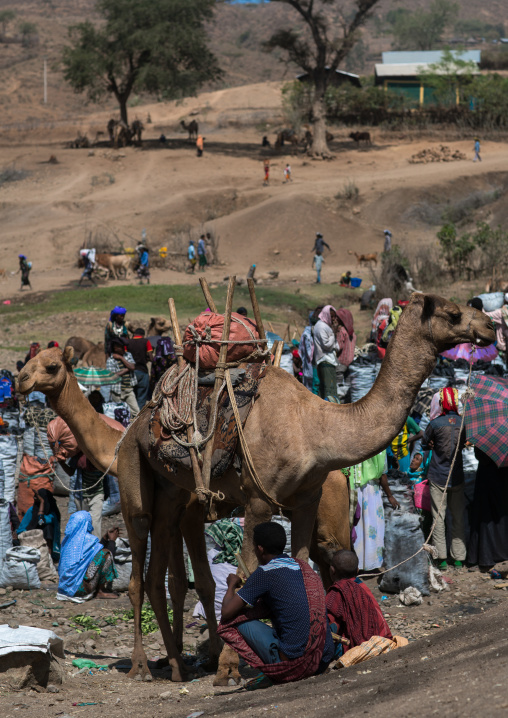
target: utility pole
<point>45,82</point>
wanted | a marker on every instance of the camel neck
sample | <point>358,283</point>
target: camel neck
<point>409,359</point>
<point>94,437</point>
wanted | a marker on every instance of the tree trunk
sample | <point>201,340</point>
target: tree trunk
<point>319,144</point>
<point>122,101</point>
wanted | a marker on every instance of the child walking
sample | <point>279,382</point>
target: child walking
<point>287,173</point>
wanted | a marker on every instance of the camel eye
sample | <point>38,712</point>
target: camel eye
<point>52,368</point>
<point>455,317</point>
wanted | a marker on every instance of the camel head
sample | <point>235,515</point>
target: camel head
<point>46,372</point>
<point>158,325</point>
<point>447,324</point>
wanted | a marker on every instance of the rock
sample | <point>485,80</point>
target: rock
<point>52,689</point>
<point>276,251</point>
<point>153,646</point>
<point>90,644</point>
<point>148,678</point>
<point>165,696</point>
<point>2,591</point>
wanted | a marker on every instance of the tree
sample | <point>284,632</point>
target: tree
<point>455,250</point>
<point>448,77</point>
<point>318,49</point>
<point>157,47</point>
<point>6,16</point>
<point>422,30</point>
<point>28,31</point>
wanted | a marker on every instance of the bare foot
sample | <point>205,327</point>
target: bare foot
<point>106,594</point>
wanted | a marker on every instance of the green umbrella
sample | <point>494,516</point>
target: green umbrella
<point>91,376</point>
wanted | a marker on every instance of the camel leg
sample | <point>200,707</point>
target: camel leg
<point>166,517</point>
<point>193,524</point>
<point>302,525</point>
<point>256,511</point>
<point>137,530</point>
<point>177,584</point>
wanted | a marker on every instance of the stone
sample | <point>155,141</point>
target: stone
<point>166,695</point>
<point>52,689</point>
<point>2,591</point>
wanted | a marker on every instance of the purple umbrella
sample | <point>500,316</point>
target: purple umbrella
<point>471,353</point>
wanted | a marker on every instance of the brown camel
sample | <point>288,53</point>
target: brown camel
<point>80,346</point>
<point>95,356</point>
<point>192,128</point>
<point>292,462</point>
<point>158,325</point>
<point>50,373</point>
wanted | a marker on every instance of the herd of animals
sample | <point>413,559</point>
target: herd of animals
<point>121,134</point>
<point>295,465</point>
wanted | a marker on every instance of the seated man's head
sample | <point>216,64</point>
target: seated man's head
<point>416,462</point>
<point>344,564</point>
<point>269,541</point>
<point>117,346</point>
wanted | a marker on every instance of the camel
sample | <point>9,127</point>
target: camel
<point>80,346</point>
<point>292,461</point>
<point>292,457</point>
<point>192,128</point>
<point>115,264</point>
<point>95,356</point>
<point>158,325</point>
<point>51,373</point>
<point>364,258</point>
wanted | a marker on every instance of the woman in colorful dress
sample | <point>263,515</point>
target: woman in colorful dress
<point>367,479</point>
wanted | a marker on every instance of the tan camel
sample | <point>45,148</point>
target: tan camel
<point>158,325</point>
<point>292,462</point>
<point>95,356</point>
<point>50,373</point>
<point>80,346</point>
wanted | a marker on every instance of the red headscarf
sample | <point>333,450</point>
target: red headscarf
<point>449,400</point>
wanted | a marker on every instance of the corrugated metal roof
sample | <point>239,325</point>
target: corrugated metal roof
<point>409,70</point>
<point>427,57</point>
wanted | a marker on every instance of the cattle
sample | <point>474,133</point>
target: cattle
<point>361,137</point>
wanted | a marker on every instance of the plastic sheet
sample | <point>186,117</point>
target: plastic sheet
<point>492,301</point>
<point>8,460</point>
<point>28,638</point>
<point>362,375</point>
<point>5,531</point>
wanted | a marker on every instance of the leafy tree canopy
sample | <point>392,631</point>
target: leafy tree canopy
<point>421,30</point>
<point>157,47</point>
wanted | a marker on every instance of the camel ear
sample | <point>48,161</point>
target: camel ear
<point>429,307</point>
<point>68,353</point>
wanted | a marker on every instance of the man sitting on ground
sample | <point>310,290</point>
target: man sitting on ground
<point>350,603</point>
<point>288,592</point>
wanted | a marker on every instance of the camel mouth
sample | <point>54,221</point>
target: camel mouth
<point>481,340</point>
<point>24,392</point>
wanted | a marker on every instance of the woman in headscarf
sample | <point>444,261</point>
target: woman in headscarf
<point>44,515</point>
<point>306,350</point>
<point>24,267</point>
<point>226,538</point>
<point>326,349</point>
<point>115,328</point>
<point>380,322</point>
<point>442,435</point>
<point>346,337</point>
<point>86,567</point>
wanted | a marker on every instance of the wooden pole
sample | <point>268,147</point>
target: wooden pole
<point>255,308</point>
<point>219,375</point>
<point>278,353</point>
<point>181,363</point>
<point>208,296</point>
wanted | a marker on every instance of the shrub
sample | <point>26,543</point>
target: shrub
<point>349,191</point>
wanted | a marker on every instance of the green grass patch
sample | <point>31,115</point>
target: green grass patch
<point>152,300</point>
<point>82,622</point>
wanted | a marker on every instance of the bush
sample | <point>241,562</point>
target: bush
<point>350,191</point>
<point>11,174</point>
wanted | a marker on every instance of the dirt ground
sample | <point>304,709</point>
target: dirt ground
<point>457,658</point>
<point>456,661</point>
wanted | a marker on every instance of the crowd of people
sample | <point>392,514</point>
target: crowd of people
<point>469,519</point>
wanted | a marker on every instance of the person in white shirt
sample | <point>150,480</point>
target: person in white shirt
<point>326,347</point>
